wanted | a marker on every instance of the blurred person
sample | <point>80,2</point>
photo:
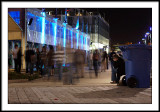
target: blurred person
<point>38,59</point>
<point>19,60</point>
<point>79,61</point>
<point>27,58</point>
<point>90,60</point>
<point>43,55</point>
<point>100,61</point>
<point>15,51</point>
<point>70,61</point>
<point>33,60</point>
<point>104,57</point>
<point>50,56</point>
<point>96,56</point>
<point>119,64</point>
<point>9,59</point>
<point>59,58</point>
<point>113,76</point>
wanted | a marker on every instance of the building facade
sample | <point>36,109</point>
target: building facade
<point>39,29</point>
<point>91,23</point>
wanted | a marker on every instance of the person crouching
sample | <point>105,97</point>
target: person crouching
<point>119,64</point>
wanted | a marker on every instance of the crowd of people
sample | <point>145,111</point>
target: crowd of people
<point>46,62</point>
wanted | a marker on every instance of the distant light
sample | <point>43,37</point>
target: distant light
<point>150,28</point>
<point>139,42</point>
<point>143,39</point>
<point>147,33</point>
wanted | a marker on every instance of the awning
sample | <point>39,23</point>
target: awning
<point>14,30</point>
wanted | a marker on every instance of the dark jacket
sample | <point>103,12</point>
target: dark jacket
<point>50,57</point>
<point>27,56</point>
<point>19,55</point>
<point>120,66</point>
<point>111,56</point>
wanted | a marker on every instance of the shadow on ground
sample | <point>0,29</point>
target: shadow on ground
<point>119,92</point>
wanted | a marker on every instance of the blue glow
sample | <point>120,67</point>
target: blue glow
<point>150,28</point>
<point>77,36</point>
<point>15,15</point>
<point>43,28</point>
<point>77,25</point>
<point>64,35</point>
<point>82,41</point>
<point>145,35</point>
<point>55,31</point>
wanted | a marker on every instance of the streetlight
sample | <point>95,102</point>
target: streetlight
<point>148,34</point>
<point>144,40</point>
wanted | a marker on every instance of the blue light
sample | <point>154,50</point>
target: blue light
<point>55,31</point>
<point>145,35</point>
<point>15,15</point>
<point>43,28</point>
<point>64,35</point>
<point>82,41</point>
<point>150,28</point>
<point>77,25</point>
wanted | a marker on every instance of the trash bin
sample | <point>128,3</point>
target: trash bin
<point>137,64</point>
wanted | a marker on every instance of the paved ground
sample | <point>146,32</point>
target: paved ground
<point>88,90</point>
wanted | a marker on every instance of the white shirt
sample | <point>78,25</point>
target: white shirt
<point>15,53</point>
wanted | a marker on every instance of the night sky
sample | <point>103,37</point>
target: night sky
<point>127,24</point>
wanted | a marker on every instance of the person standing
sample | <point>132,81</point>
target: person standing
<point>106,60</point>
<point>19,60</point>
<point>59,58</point>
<point>96,56</point>
<point>79,61</point>
<point>38,59</point>
<point>70,62</point>
<point>15,51</point>
<point>113,77</point>
<point>9,59</point>
<point>43,60</point>
<point>104,57</point>
<point>50,56</point>
<point>33,60</point>
<point>27,58</point>
<point>90,60</point>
